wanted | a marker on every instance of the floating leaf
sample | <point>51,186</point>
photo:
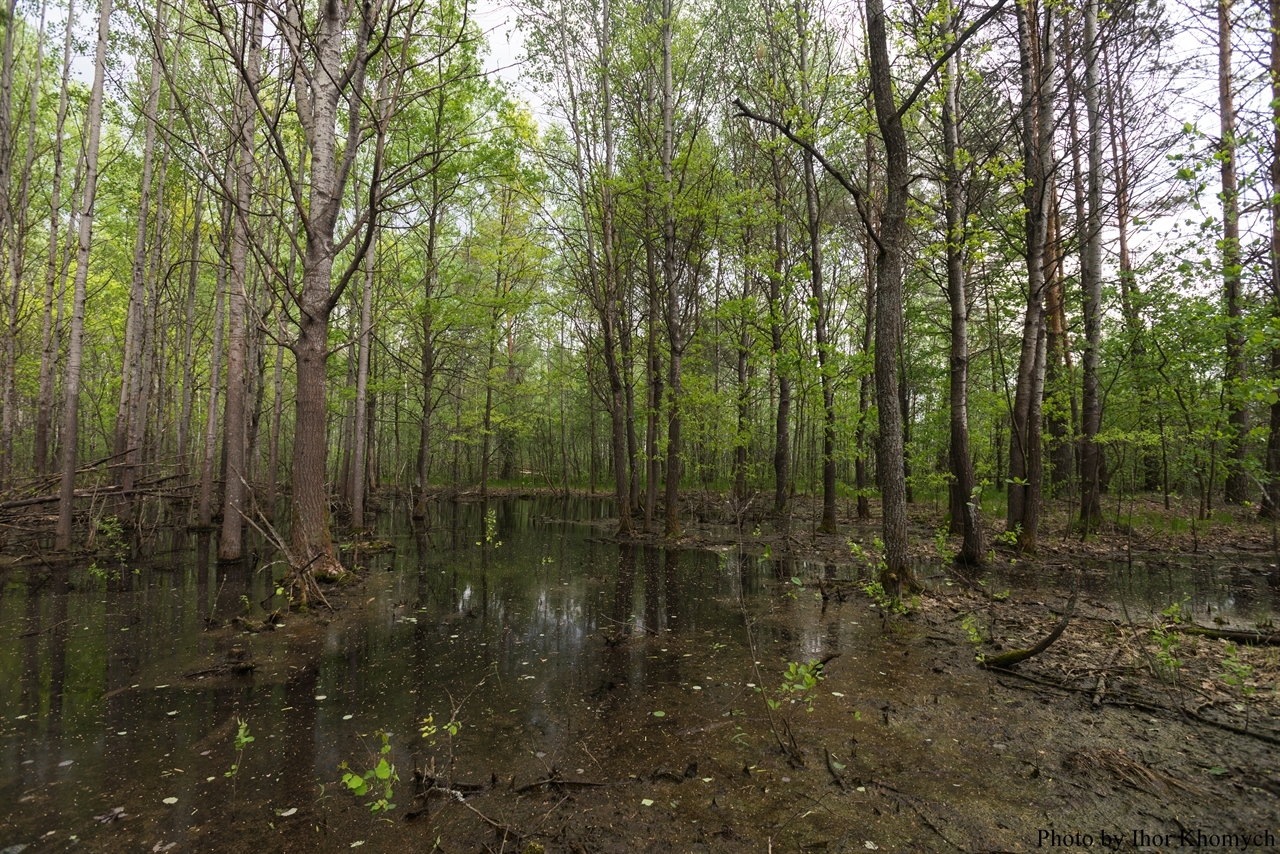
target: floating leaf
<point>646,802</point>
<point>286,813</point>
<point>170,801</point>
<point>659,714</point>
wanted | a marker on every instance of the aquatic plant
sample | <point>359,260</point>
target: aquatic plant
<point>242,740</point>
<point>379,779</point>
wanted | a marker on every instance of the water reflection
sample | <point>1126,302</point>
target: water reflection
<point>109,685</point>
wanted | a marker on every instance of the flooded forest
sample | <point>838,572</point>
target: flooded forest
<point>639,426</point>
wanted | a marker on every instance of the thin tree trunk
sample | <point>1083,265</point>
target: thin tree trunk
<point>964,500</point>
<point>75,343</point>
<point>1236,490</point>
<point>131,372</point>
<point>819,308</point>
<point>674,309</point>
<point>188,351</point>
<point>653,371</point>
<point>742,394</point>
<point>777,313</point>
<point>610,293</point>
<point>204,511</point>
<point>17,258</point>
<point>1091,283</point>
<point>234,423</point>
<point>49,348</point>
<point>428,340</point>
<point>1271,495</point>
<point>8,414</point>
<point>861,483</point>
<point>358,468</point>
<point>1036,70</point>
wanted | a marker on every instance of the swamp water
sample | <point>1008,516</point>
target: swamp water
<point>622,675</point>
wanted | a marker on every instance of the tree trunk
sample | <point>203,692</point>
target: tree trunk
<point>742,392</point>
<point>1036,71</point>
<point>896,574</point>
<point>814,225</point>
<point>204,511</point>
<point>1271,495</point>
<point>1091,283</point>
<point>653,371</point>
<point>359,457</point>
<point>610,292</point>
<point>1236,490</point>
<point>674,308</point>
<point>8,385</point>
<point>861,482</point>
<point>777,314</point>
<point>128,414</point>
<point>49,348</point>
<point>234,421</point>
<point>338,60</point>
<point>75,343</point>
<point>965,504</point>
<point>188,351</point>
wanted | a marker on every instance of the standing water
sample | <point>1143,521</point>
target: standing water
<point>506,659</point>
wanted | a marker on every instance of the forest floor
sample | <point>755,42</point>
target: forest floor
<point>1129,733</point>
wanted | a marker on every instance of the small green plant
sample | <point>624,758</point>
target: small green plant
<point>428,729</point>
<point>794,590</point>
<point>1167,662</point>
<point>378,781</point>
<point>940,541</point>
<point>1239,674</point>
<point>98,573</point>
<point>243,739</point>
<point>973,629</point>
<point>1010,537</point>
<point>800,680</point>
<point>798,684</point>
<point>1177,610</point>
<point>875,590</point>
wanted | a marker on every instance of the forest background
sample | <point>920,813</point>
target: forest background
<point>999,254</point>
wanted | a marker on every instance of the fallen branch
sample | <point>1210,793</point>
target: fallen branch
<point>1006,660</point>
<point>1254,638</point>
